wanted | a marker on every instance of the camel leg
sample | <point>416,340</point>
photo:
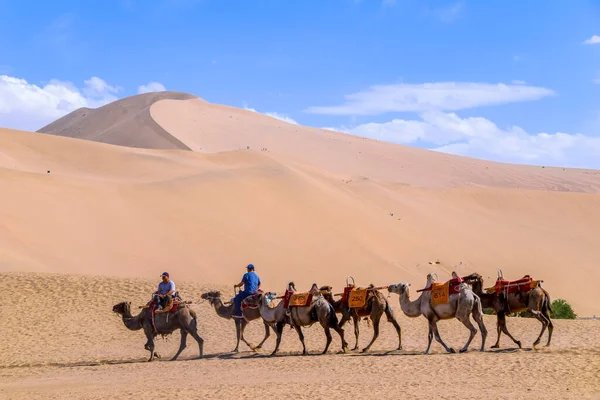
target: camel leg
<point>550,325</point>
<point>436,334</point>
<point>150,343</point>
<point>429,338</point>
<point>478,317</point>
<point>237,334</point>
<point>375,318</point>
<point>329,338</point>
<point>182,344</point>
<point>356,320</point>
<point>278,332</point>
<point>243,324</point>
<point>540,317</point>
<point>467,322</point>
<point>147,347</point>
<point>267,334</point>
<point>301,336</point>
<point>501,321</point>
<point>392,318</point>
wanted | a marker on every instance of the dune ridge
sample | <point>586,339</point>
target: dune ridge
<point>124,122</point>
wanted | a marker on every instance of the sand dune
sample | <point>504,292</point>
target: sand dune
<point>207,127</point>
<point>124,122</point>
<point>113,210</point>
<point>66,343</point>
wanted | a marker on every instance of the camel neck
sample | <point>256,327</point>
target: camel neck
<point>410,308</point>
<point>223,310</point>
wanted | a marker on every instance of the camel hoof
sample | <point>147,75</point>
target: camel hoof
<point>355,348</point>
<point>519,344</point>
<point>463,350</point>
<point>452,351</point>
<point>364,350</point>
<point>498,346</point>
<point>399,348</point>
<point>156,355</point>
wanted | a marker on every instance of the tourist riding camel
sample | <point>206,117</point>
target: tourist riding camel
<point>165,292</point>
<point>251,283</point>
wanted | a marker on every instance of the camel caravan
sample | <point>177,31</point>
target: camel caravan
<point>459,297</point>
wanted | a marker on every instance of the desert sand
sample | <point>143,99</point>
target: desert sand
<point>89,219</point>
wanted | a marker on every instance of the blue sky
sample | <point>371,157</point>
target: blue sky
<point>504,80</point>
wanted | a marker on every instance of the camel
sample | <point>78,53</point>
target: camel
<point>274,317</point>
<point>536,301</point>
<point>375,306</point>
<point>250,314</point>
<point>184,319</point>
<point>460,305</point>
<point>318,311</point>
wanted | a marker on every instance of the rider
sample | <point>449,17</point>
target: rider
<point>251,283</point>
<point>165,292</point>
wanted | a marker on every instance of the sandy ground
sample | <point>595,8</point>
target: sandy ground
<point>65,342</point>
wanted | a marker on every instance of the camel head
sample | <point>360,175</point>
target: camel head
<point>326,288</point>
<point>476,282</point>
<point>399,288</point>
<point>291,286</point>
<point>212,296</point>
<point>122,308</point>
<point>314,288</point>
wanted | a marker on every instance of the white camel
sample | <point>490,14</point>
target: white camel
<point>460,305</point>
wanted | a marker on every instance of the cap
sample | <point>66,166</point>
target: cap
<point>165,274</point>
<point>250,266</point>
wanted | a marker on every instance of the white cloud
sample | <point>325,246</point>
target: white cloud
<point>448,96</point>
<point>481,138</point>
<point>27,106</point>
<point>518,82</point>
<point>151,87</point>
<point>593,40</point>
<point>281,117</point>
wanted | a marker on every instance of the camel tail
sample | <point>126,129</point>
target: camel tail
<point>548,301</point>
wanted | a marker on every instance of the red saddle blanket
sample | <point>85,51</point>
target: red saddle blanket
<point>174,305</point>
<point>453,285</point>
<point>521,285</point>
<point>346,294</point>
<point>245,305</point>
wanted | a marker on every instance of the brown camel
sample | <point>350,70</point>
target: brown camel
<point>298,316</point>
<point>250,314</point>
<point>166,323</point>
<point>536,301</point>
<point>375,306</point>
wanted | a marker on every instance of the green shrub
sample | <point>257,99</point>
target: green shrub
<point>562,310</point>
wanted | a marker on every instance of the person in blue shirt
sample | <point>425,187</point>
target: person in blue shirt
<point>165,292</point>
<point>251,283</point>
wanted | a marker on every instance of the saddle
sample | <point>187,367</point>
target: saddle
<point>441,291</point>
<point>357,297</point>
<point>505,287</point>
<point>300,299</point>
<point>245,305</point>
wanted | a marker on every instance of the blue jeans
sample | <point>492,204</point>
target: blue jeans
<point>237,303</point>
